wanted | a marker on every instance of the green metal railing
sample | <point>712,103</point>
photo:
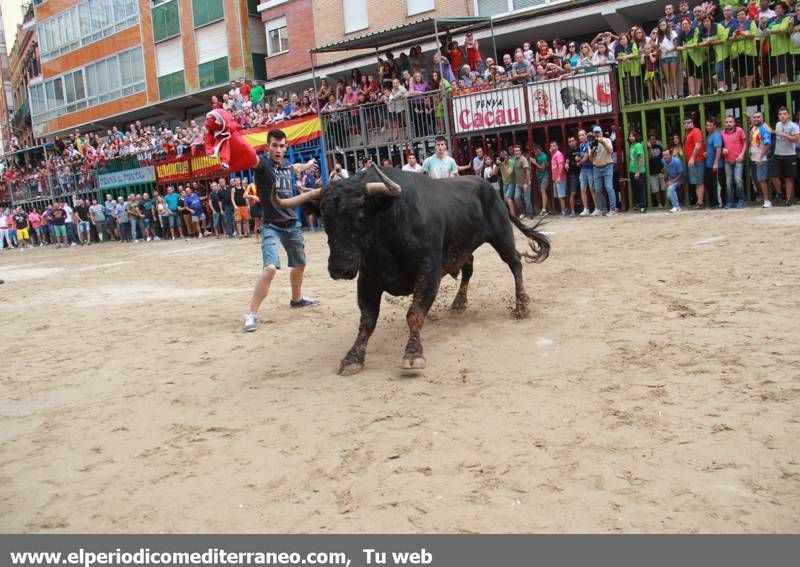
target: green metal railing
<point>710,81</point>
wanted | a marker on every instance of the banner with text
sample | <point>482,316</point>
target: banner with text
<point>573,97</point>
<point>127,177</point>
<point>489,109</point>
<point>398,550</point>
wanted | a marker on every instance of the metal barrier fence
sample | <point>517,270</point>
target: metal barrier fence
<point>741,62</point>
<point>416,116</point>
<point>51,187</point>
<point>58,186</point>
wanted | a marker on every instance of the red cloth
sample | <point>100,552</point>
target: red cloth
<point>224,140</point>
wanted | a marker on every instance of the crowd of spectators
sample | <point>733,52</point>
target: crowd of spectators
<point>688,52</point>
<point>70,164</point>
<point>227,208</point>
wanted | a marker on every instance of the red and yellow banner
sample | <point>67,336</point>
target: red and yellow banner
<point>205,165</point>
<point>173,171</point>
<point>298,131</point>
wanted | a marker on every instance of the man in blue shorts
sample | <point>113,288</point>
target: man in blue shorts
<point>278,226</point>
<point>760,143</point>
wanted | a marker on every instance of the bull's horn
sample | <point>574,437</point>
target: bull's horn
<point>388,187</point>
<point>297,200</point>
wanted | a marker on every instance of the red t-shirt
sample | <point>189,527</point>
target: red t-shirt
<point>693,138</point>
<point>244,90</point>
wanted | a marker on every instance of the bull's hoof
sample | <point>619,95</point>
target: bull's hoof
<point>415,363</point>
<point>520,311</point>
<point>459,305</point>
<point>350,368</point>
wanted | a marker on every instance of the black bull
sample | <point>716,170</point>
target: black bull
<point>400,232</point>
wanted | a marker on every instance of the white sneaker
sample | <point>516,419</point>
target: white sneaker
<point>157,238</point>
<point>173,238</point>
<point>73,244</point>
<point>612,213</point>
<point>596,213</point>
<point>584,213</point>
<point>767,204</point>
<point>250,322</point>
<point>674,209</point>
<point>149,239</point>
<point>136,240</point>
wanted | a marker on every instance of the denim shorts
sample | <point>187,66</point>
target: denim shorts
<point>587,179</point>
<point>697,173</point>
<point>198,218</point>
<point>147,222</point>
<point>561,189</point>
<point>761,170</point>
<point>543,182</point>
<point>509,190</point>
<point>292,240</point>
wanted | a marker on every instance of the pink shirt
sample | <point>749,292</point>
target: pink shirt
<point>557,172</point>
<point>35,220</point>
<point>734,143</point>
<point>350,99</point>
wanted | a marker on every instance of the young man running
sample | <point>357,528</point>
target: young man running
<point>278,226</point>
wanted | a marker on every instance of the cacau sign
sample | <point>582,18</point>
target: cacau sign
<point>489,109</point>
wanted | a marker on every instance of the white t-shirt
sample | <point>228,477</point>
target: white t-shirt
<point>599,59</point>
<point>439,168</point>
<point>782,146</point>
<point>765,16</point>
<point>668,47</point>
<point>416,169</point>
<point>69,212</point>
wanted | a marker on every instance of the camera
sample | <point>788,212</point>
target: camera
<point>593,143</point>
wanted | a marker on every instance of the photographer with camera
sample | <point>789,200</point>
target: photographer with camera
<point>586,173</point>
<point>600,153</point>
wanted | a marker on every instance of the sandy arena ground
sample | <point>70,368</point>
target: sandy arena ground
<point>655,388</point>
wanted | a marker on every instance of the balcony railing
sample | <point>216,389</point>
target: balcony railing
<point>420,118</point>
<point>409,119</point>
<point>51,186</point>
<point>738,64</point>
<point>22,112</point>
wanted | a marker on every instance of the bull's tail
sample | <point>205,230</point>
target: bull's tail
<point>538,242</point>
